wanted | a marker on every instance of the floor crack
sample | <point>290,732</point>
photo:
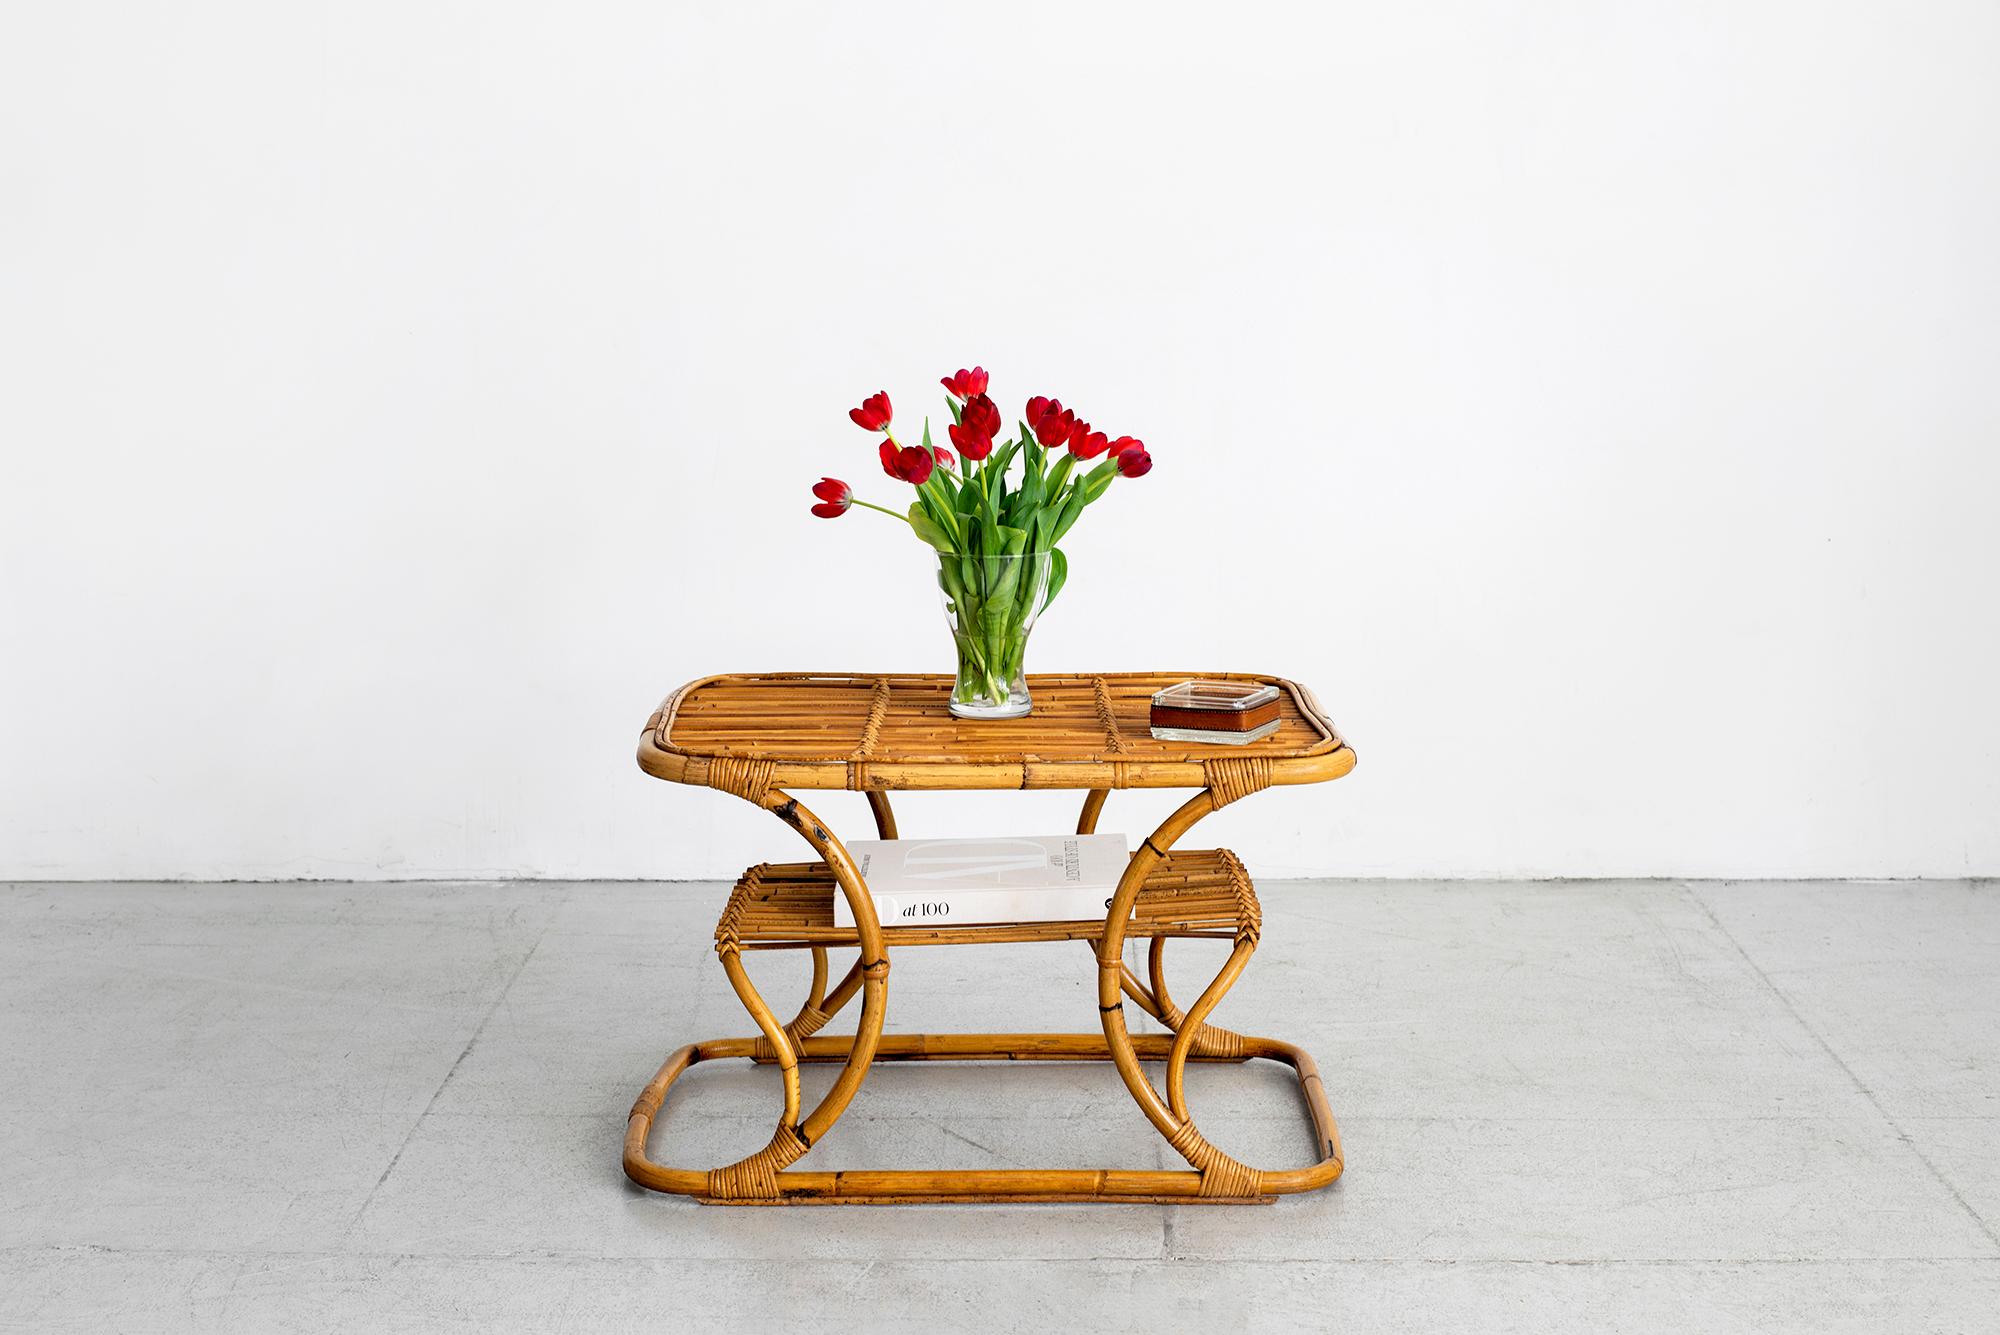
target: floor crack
<point>1826,1047</point>
<point>471,1043</point>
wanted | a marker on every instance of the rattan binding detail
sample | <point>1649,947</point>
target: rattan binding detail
<point>1209,1041</point>
<point>1233,777</point>
<point>1107,718</point>
<point>808,1022</point>
<point>756,1177</point>
<point>1220,1174</point>
<point>746,778</point>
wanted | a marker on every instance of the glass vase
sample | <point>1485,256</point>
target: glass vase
<point>991,603</point>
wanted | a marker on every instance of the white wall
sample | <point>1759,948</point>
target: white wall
<point>1595,403</point>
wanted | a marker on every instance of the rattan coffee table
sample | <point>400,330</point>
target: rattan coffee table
<point>760,736</point>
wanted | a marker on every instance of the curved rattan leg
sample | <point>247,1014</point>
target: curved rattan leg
<point>1221,1175</point>
<point>1156,969</point>
<point>754,1177</point>
<point>817,993</point>
<point>775,1037</point>
<point>1192,1030</point>
<point>885,816</point>
<point>1093,804</point>
<point>1209,1040</point>
<point>1137,991</point>
<point>872,967</point>
<point>816,1011</point>
<point>1086,823</point>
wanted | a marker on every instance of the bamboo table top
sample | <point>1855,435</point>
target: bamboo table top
<point>888,731</point>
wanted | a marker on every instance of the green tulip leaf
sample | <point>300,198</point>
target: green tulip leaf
<point>1060,474</point>
<point>1072,509</point>
<point>928,529</point>
<point>1031,488</point>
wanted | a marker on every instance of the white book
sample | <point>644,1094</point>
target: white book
<point>1032,878</point>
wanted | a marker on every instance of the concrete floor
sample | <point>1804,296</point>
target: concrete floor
<point>1590,1106</point>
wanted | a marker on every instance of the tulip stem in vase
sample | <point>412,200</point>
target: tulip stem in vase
<point>994,533</point>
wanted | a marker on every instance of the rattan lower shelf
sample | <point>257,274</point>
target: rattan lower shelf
<point>751,735</point>
<point>789,906</point>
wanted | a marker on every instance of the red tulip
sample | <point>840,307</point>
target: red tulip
<point>1133,461</point>
<point>978,423</point>
<point>981,414</point>
<point>834,495</point>
<point>966,383</point>
<point>1053,424</point>
<point>944,456</point>
<point>873,414</point>
<point>1124,443</point>
<point>912,463</point>
<point>1085,443</point>
<point>970,443</point>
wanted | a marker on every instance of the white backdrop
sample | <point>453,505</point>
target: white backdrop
<point>1596,404</point>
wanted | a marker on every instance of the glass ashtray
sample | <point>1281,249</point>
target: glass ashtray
<point>1230,713</point>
